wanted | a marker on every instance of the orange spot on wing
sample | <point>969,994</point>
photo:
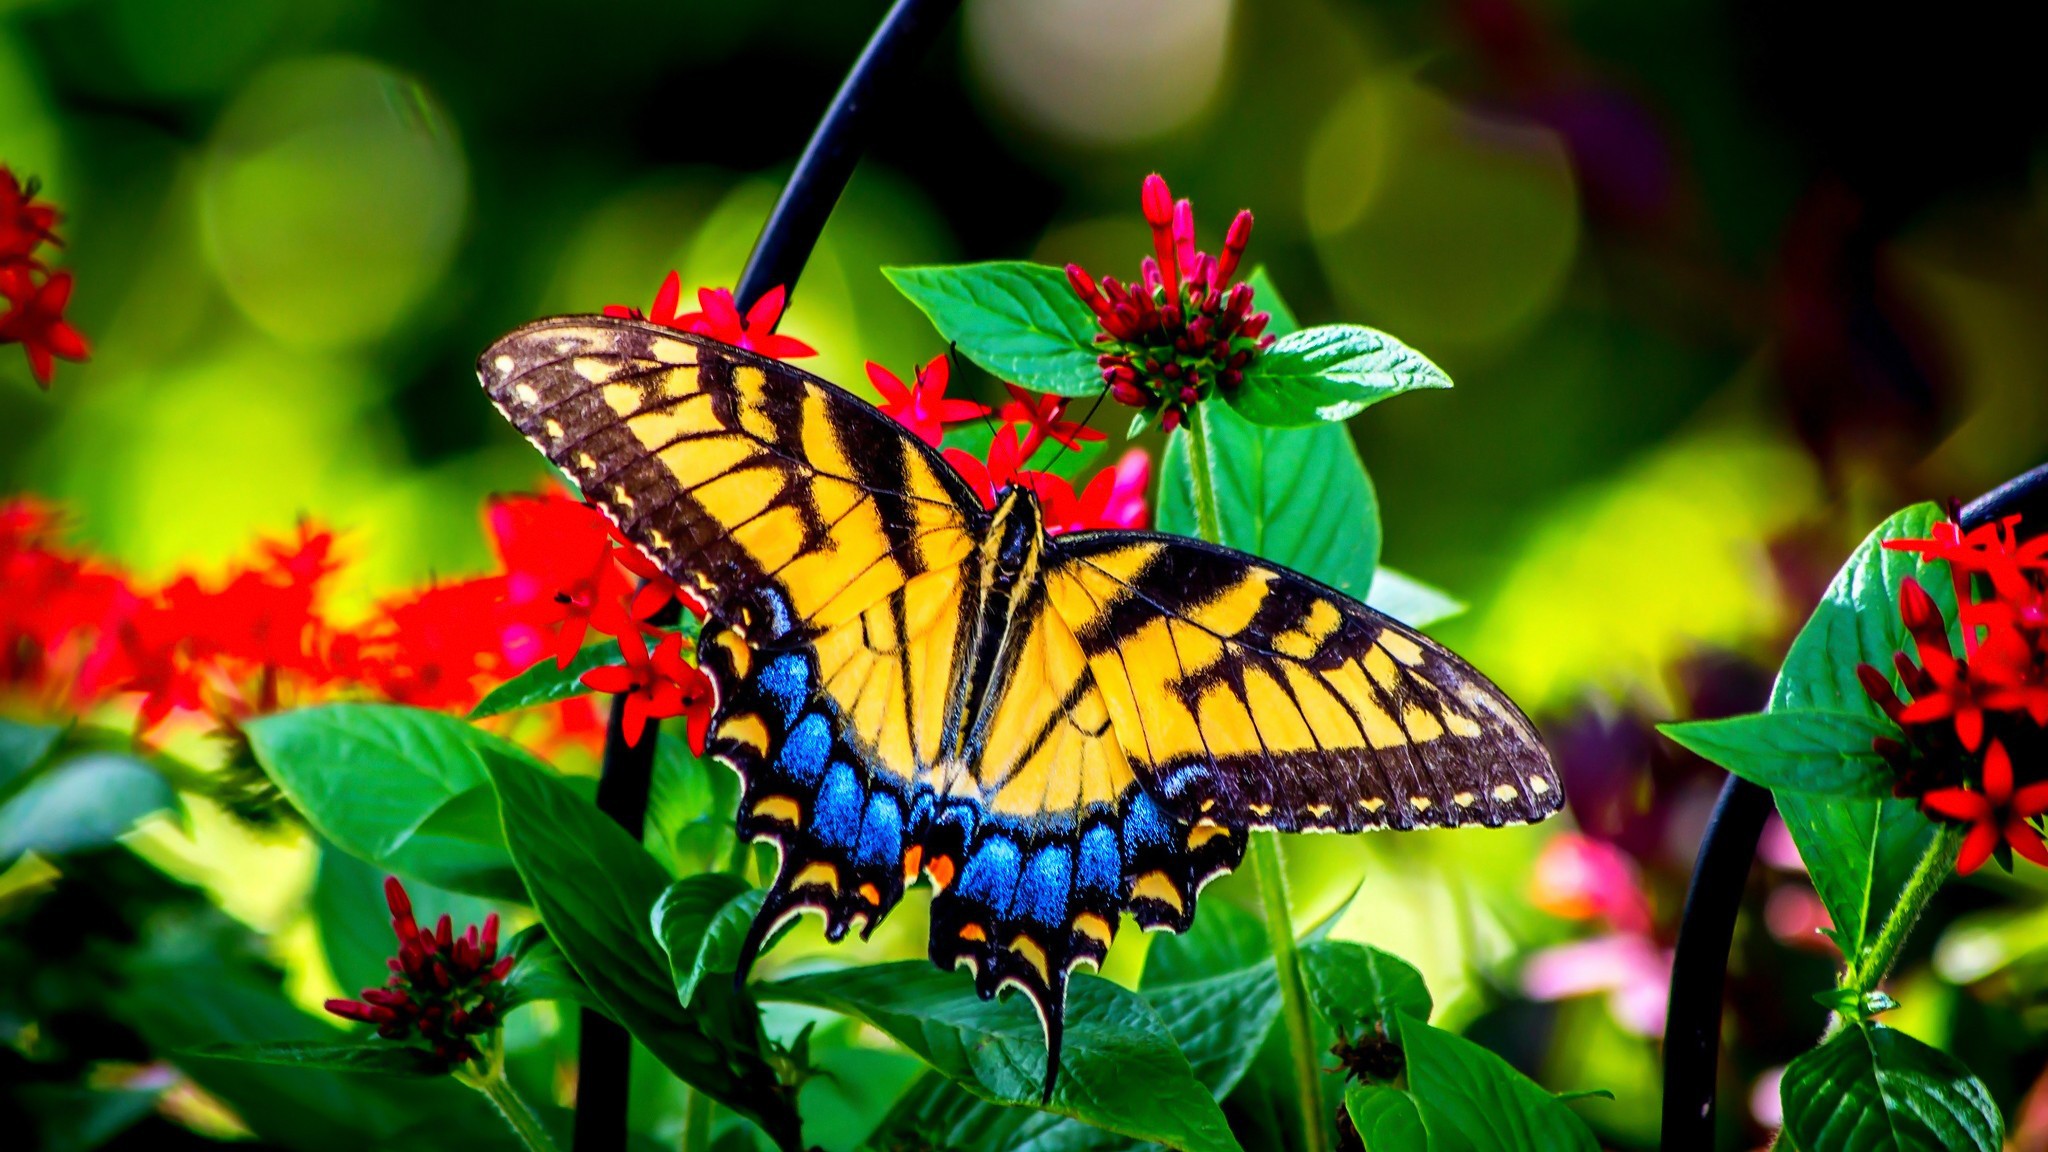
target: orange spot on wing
<point>912,861</point>
<point>941,871</point>
<point>973,932</point>
<point>871,894</point>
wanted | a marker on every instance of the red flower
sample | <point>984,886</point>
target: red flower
<point>35,319</point>
<point>1041,413</point>
<point>719,318</point>
<point>923,407</point>
<point>655,686</point>
<point>1998,816</point>
<point>430,648</point>
<point>445,989</point>
<point>1005,457</point>
<point>1115,498</point>
<point>24,224</point>
<point>1186,329</point>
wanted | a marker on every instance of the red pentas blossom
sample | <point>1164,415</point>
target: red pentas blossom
<point>923,407</point>
<point>1975,723</point>
<point>446,991</point>
<point>656,686</point>
<point>718,316</point>
<point>1186,329</point>
<point>32,298</point>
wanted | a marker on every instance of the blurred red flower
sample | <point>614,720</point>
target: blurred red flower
<point>34,298</point>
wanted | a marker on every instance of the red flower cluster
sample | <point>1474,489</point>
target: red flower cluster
<point>1187,330</point>
<point>444,989</point>
<point>35,297</point>
<point>718,317</point>
<point>260,637</point>
<point>1971,719</point>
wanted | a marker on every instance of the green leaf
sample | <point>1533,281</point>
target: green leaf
<point>1850,1002</point>
<point>937,1113</point>
<point>1329,373</point>
<point>1356,986</point>
<point>700,921</point>
<point>22,748</point>
<point>1224,938</point>
<point>378,1057</point>
<point>1219,1022</point>
<point>1389,1120</point>
<point>1809,750</point>
<point>1467,1093</point>
<point>1119,1067</point>
<point>690,801</point>
<point>402,788</point>
<point>595,890</point>
<point>541,972</point>
<point>1409,600</point>
<point>88,801</point>
<point>1873,1089</point>
<point>1859,852</point>
<point>1020,321</point>
<point>544,683</point>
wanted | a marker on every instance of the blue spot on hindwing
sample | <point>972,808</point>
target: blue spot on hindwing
<point>1042,895</point>
<point>787,682</point>
<point>991,873</point>
<point>804,751</point>
<point>839,806</point>
<point>881,832</point>
<point>1101,868</point>
<point>1144,825</point>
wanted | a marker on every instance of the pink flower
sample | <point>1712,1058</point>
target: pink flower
<point>1629,968</point>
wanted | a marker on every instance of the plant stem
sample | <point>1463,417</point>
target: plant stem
<point>491,1081</point>
<point>1268,868</point>
<point>1207,521</point>
<point>1868,970</point>
<point>1301,1042</point>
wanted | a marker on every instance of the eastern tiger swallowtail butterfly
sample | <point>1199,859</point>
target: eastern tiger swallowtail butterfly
<point>1054,730</point>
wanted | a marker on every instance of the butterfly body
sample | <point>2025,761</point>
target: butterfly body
<point>1055,731</point>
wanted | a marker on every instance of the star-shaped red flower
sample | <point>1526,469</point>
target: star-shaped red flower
<point>1041,412</point>
<point>1998,816</point>
<point>923,407</point>
<point>35,319</point>
<point>718,317</point>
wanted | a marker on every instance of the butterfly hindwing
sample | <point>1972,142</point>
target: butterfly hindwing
<point>1251,696</point>
<point>734,472</point>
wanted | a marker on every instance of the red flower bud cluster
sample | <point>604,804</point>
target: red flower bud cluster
<point>718,316</point>
<point>1186,330</point>
<point>445,990</point>
<point>1976,724</point>
<point>34,297</point>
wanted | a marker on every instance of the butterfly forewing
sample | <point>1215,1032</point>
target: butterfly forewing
<point>1249,695</point>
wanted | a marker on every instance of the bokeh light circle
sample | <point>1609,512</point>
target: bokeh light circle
<point>331,200</point>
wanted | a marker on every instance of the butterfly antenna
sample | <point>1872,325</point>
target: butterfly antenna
<point>1085,421</point>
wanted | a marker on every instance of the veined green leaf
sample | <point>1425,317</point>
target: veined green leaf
<point>595,890</point>
<point>1467,1093</point>
<point>382,1058</point>
<point>1409,600</point>
<point>1020,321</point>
<point>1809,750</point>
<point>544,683</point>
<point>1873,1089</point>
<point>403,788</point>
<point>1356,986</point>
<point>1859,852</point>
<point>1119,1070</point>
<point>700,921</point>
<point>1389,1120</point>
<point>1329,373</point>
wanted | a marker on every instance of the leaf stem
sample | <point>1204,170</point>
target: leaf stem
<point>491,1081</point>
<point>1267,865</point>
<point>1868,970</point>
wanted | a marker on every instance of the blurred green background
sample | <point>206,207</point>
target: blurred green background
<point>1720,283</point>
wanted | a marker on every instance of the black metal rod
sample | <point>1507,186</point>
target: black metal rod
<point>604,1053</point>
<point>1699,971</point>
<point>900,41</point>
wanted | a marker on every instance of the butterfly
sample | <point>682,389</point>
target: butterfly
<point>1054,730</point>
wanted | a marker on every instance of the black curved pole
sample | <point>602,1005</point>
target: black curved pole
<point>1699,971</point>
<point>604,1050</point>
